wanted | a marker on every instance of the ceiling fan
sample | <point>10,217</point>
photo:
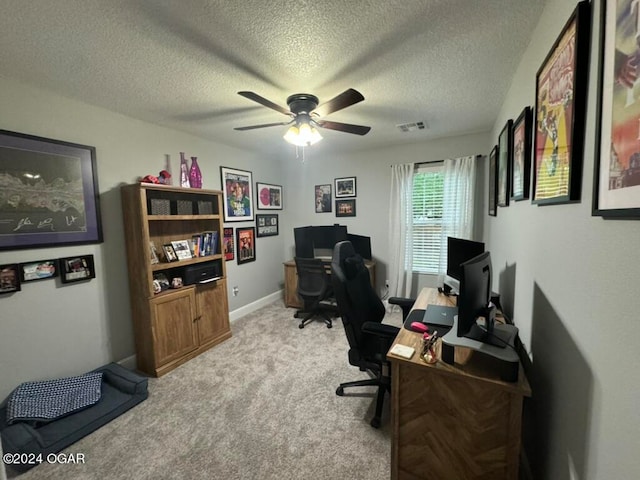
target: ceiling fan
<point>305,115</point>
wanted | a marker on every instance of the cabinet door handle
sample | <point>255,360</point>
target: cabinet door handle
<point>197,318</point>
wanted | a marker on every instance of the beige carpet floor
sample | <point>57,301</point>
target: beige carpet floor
<point>261,405</point>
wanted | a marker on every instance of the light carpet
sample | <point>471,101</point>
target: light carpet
<point>261,405</point>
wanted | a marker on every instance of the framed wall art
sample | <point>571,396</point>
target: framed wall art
<point>323,198</point>
<point>40,270</point>
<point>493,182</point>
<point>616,180</point>
<point>521,168</point>
<point>267,225</point>
<point>227,243</point>
<point>269,197</point>
<point>561,91</point>
<point>345,187</point>
<point>238,194</point>
<point>50,193</point>
<point>246,244</point>
<point>75,269</point>
<point>9,278</point>
<point>346,208</point>
<point>505,154</point>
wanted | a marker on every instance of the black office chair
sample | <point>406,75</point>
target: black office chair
<point>362,312</point>
<point>314,288</point>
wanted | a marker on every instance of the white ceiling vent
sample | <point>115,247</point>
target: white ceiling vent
<point>412,127</point>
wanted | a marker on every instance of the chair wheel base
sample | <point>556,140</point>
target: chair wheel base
<point>301,325</point>
<point>340,391</point>
<point>375,422</point>
<point>329,325</point>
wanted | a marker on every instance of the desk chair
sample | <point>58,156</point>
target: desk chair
<point>314,288</point>
<point>362,312</point>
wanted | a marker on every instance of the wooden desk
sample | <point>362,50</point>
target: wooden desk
<point>452,421</point>
<point>291,298</point>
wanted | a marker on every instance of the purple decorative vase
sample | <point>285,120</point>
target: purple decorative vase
<point>195,176</point>
<point>184,171</point>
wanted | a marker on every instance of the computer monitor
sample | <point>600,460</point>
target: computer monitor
<point>459,250</point>
<point>474,300</point>
<point>318,241</point>
<point>361,245</point>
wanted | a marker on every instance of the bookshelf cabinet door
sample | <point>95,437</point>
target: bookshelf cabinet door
<point>174,330</point>
<point>213,311</point>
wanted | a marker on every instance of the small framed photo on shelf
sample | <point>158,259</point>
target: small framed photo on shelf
<point>246,244</point>
<point>40,270</point>
<point>269,197</point>
<point>75,269</point>
<point>9,278</point>
<point>169,253</point>
<point>323,198</point>
<point>182,249</point>
<point>153,254</point>
<point>345,187</point>
<point>346,208</point>
<point>228,244</point>
<point>267,225</point>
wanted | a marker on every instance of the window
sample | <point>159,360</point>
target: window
<point>428,194</point>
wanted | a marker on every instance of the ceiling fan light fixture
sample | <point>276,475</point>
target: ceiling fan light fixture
<point>302,135</point>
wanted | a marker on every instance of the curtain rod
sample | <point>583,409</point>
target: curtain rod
<point>425,163</point>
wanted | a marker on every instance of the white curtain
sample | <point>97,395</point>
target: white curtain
<point>458,204</point>
<point>400,230</point>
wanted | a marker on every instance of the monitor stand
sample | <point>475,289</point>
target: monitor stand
<point>507,358</point>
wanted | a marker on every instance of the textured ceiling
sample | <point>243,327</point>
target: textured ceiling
<point>181,63</point>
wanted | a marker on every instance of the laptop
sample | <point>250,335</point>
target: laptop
<point>439,315</point>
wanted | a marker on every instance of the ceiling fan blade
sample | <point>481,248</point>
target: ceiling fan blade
<point>264,125</point>
<point>344,100</point>
<point>263,101</point>
<point>344,127</point>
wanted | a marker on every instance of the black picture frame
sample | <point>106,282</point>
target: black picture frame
<point>237,187</point>
<point>64,209</point>
<point>38,270</point>
<point>227,244</point>
<point>323,198</point>
<point>346,208</point>
<point>493,182</point>
<point>616,178</point>
<point>169,253</point>
<point>345,187</point>
<point>267,225</point>
<point>9,278</point>
<point>269,196</point>
<point>505,154</point>
<point>245,245</point>
<point>77,268</point>
<point>560,113</point>
<point>521,158</point>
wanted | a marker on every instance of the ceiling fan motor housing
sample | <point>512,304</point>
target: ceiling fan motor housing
<point>302,103</point>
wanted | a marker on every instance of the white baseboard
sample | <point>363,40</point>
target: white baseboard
<point>253,306</point>
<point>128,362</point>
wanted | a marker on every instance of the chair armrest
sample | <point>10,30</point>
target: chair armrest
<point>380,329</point>
<point>406,304</point>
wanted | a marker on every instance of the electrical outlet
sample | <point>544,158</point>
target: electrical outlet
<point>386,283</point>
<point>236,290</point>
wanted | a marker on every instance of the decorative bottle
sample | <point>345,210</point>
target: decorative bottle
<point>195,176</point>
<point>184,171</point>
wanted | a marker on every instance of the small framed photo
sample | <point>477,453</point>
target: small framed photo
<point>9,278</point>
<point>153,254</point>
<point>228,244</point>
<point>169,253</point>
<point>345,187</point>
<point>323,198</point>
<point>267,225</point>
<point>40,270</point>
<point>346,208</point>
<point>182,249</point>
<point>493,182</point>
<point>269,197</point>
<point>246,244</point>
<point>75,269</point>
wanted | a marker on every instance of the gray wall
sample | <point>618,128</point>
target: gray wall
<point>48,330</point>
<point>570,281</point>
